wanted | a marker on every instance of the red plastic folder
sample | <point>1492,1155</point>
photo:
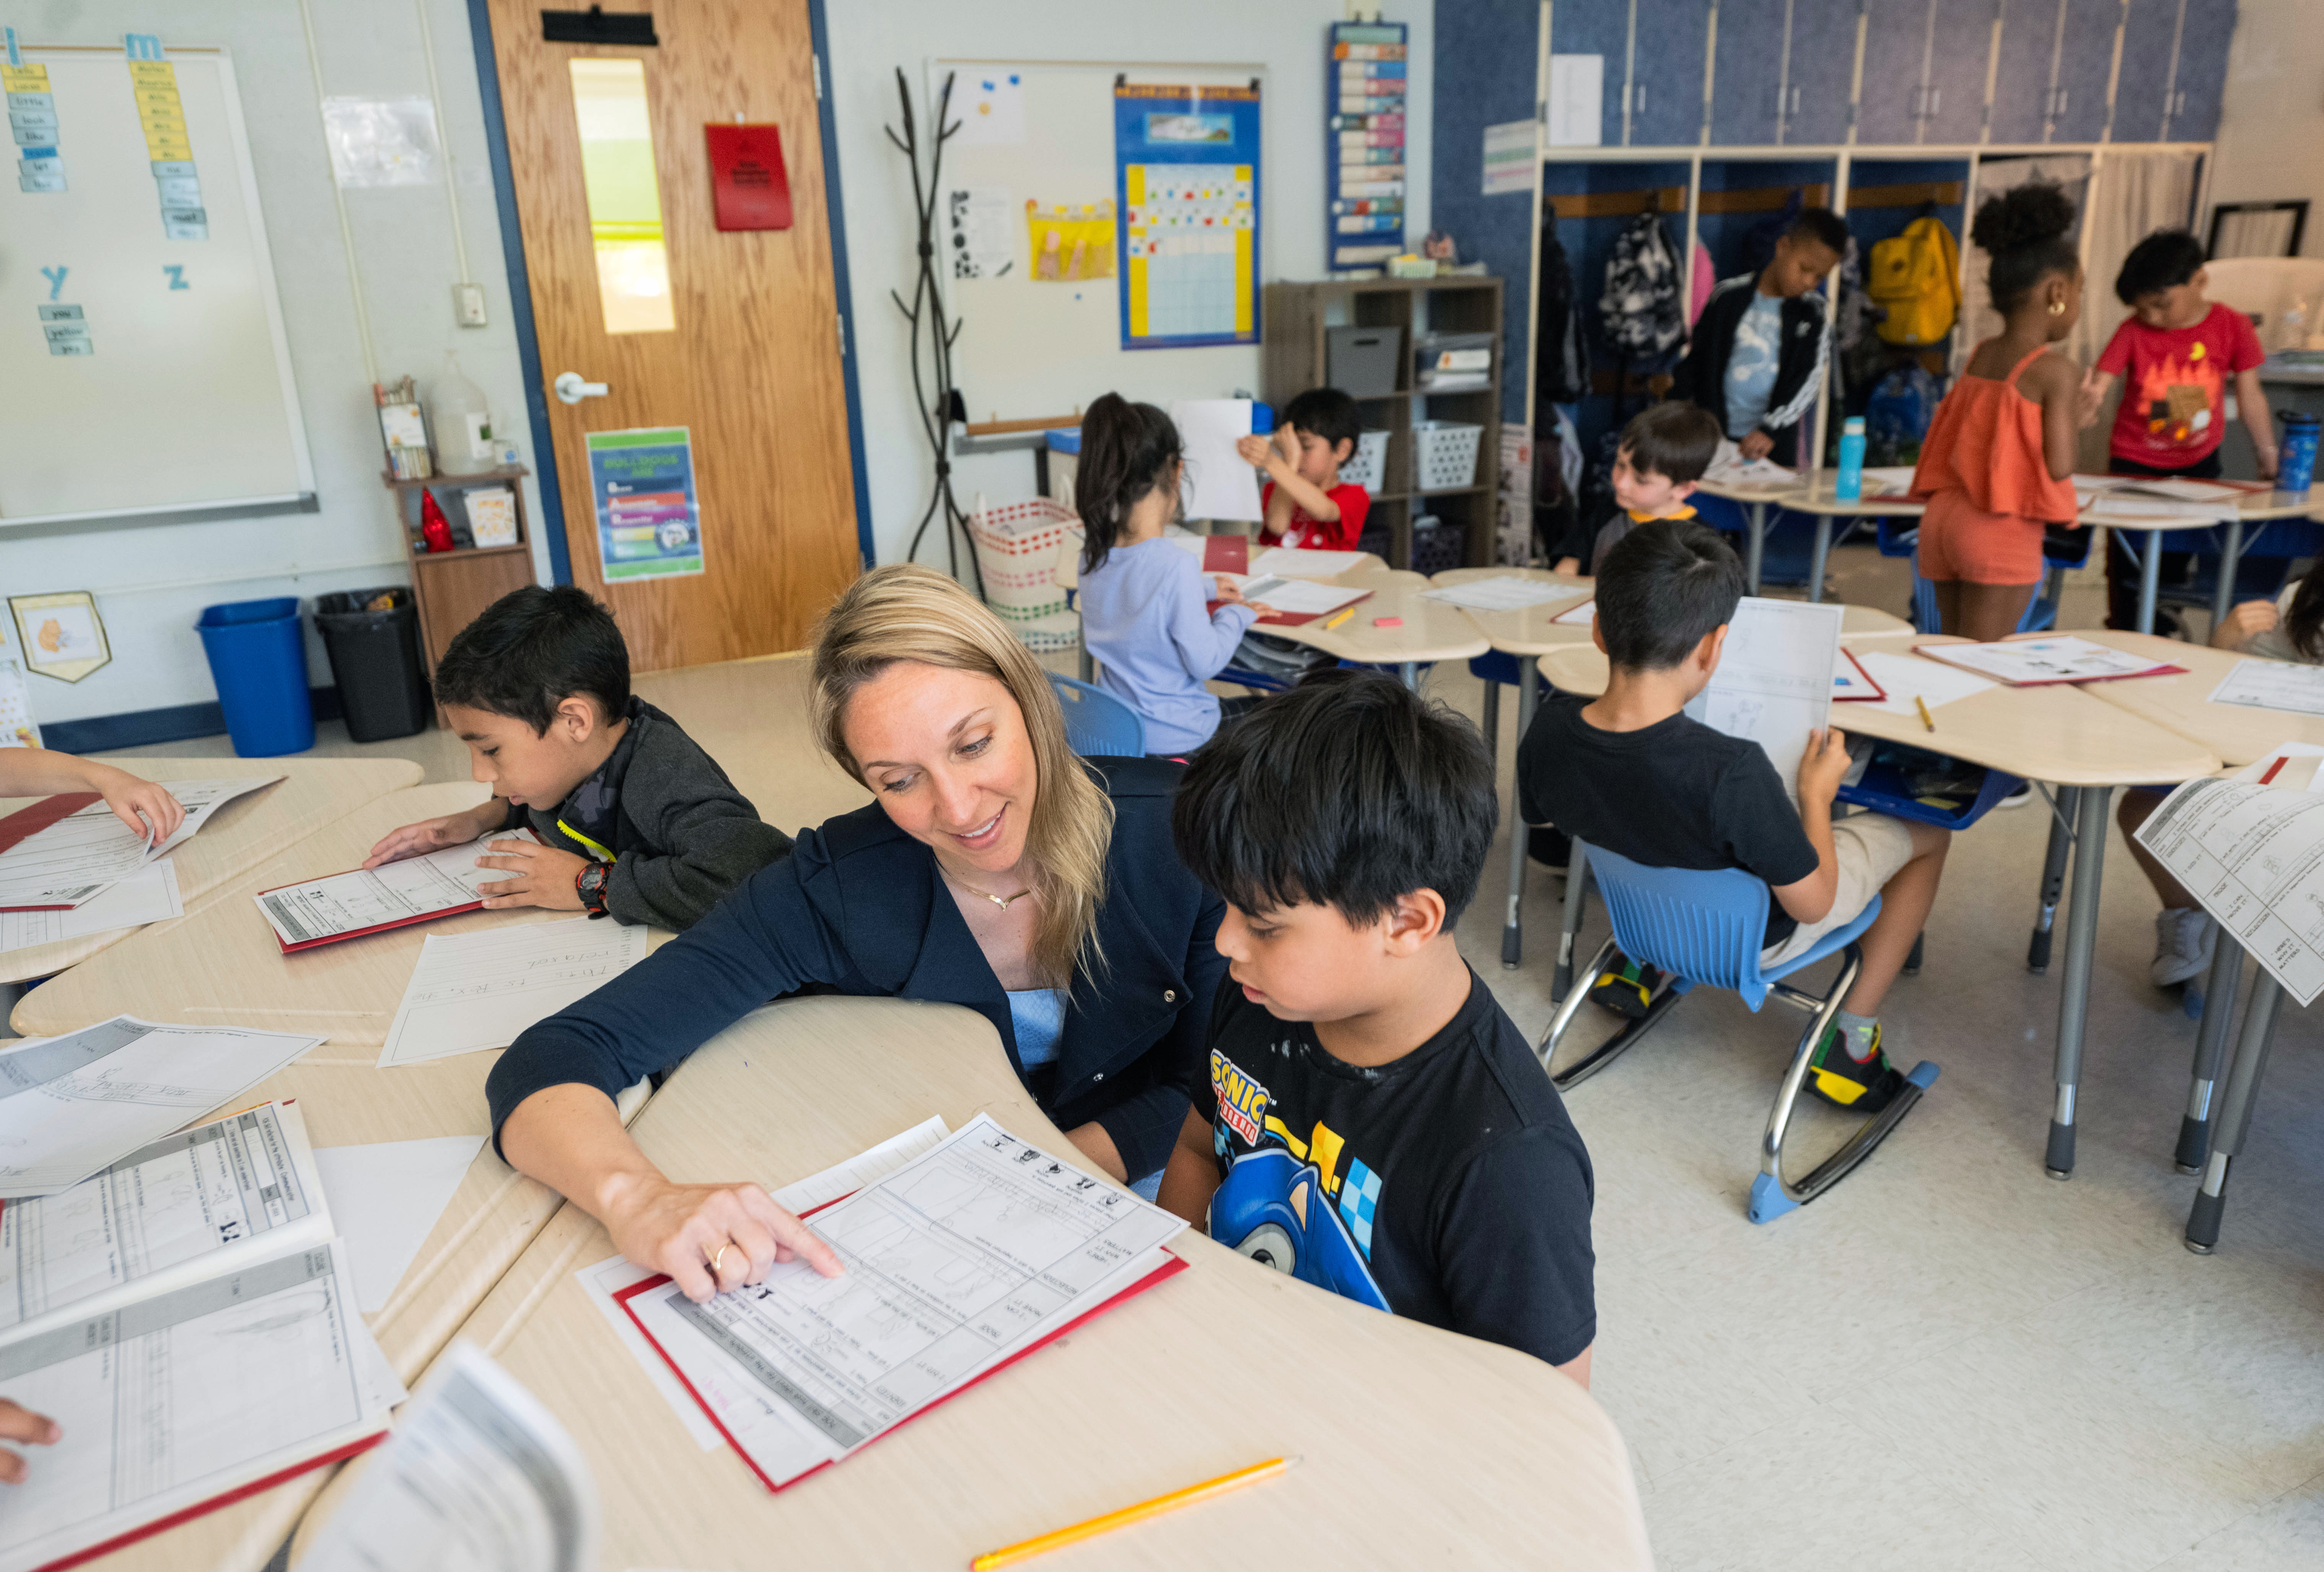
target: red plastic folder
<point>27,822</point>
<point>749,186</point>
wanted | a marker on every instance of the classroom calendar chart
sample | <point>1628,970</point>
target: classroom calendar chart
<point>1188,186</point>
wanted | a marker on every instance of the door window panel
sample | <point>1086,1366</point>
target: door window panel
<point>617,170</point>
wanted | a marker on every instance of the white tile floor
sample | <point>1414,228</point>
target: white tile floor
<point>1950,1360</point>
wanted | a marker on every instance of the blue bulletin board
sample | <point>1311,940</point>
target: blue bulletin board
<point>1186,174</point>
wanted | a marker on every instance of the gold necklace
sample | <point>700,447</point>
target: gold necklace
<point>1000,900</point>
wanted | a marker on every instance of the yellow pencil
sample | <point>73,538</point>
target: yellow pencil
<point>1335,620</point>
<point>1925,718</point>
<point>1009,1556</point>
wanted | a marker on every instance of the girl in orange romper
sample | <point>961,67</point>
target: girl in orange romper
<point>1998,464</point>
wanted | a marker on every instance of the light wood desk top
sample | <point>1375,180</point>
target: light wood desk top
<point>1420,1448</point>
<point>2238,733</point>
<point>1818,498</point>
<point>2055,733</point>
<point>2254,507</point>
<point>1535,630</point>
<point>751,717</point>
<point>1757,491</point>
<point>1068,573</point>
<point>1430,631</point>
<point>243,834</point>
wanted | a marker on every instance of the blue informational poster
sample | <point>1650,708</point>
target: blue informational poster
<point>642,486</point>
<point>1364,176</point>
<point>1187,170</point>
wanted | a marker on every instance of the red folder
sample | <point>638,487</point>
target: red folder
<point>1226,554</point>
<point>748,185</point>
<point>307,944</point>
<point>1937,652</point>
<point>27,822</point>
<point>1872,690</point>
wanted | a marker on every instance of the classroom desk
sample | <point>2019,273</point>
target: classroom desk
<point>1819,503</point>
<point>1755,497</point>
<point>2060,734</point>
<point>1374,569</point>
<point>2254,508</point>
<point>1430,630</point>
<point>215,967</point>
<point>751,716</point>
<point>1419,1447</point>
<point>245,832</point>
<point>2238,733</point>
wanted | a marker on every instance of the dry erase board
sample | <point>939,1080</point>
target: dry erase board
<point>142,362</point>
<point>1034,346</point>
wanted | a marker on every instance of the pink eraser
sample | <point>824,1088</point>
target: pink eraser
<point>1388,622</point>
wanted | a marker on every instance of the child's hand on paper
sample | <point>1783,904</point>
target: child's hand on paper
<point>544,876</point>
<point>1252,450</point>
<point>1822,765</point>
<point>683,1229</point>
<point>23,1426</point>
<point>433,835</point>
<point>1227,592</point>
<point>142,805</point>
<point>2248,621</point>
<point>1756,446</point>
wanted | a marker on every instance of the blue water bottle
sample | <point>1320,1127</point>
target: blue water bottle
<point>1850,485</point>
<point>2295,464</point>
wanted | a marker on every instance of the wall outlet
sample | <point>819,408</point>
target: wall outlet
<point>468,305</point>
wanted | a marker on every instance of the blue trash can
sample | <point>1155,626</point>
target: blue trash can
<point>258,659</point>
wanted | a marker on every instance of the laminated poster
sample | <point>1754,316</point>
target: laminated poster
<point>641,483</point>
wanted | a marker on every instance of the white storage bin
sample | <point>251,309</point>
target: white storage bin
<point>1367,466</point>
<point>1444,454</point>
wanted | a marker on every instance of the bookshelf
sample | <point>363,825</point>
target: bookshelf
<point>451,587</point>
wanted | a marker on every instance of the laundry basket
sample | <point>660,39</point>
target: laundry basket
<point>1444,454</point>
<point>1018,545</point>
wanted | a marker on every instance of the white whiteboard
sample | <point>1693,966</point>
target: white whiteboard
<point>187,401</point>
<point>1031,350</point>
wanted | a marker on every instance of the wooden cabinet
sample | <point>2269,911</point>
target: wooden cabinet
<point>452,587</point>
<point>2020,77</point>
<point>1747,78</point>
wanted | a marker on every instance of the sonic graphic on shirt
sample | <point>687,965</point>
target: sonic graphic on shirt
<point>1276,1207</point>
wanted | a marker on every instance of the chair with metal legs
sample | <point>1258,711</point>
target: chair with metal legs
<point>1705,927</point>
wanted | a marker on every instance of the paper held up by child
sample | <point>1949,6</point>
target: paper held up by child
<point>2252,851</point>
<point>1218,484</point>
<point>2032,663</point>
<point>1773,682</point>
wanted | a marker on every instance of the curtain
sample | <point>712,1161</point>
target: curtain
<point>2131,196</point>
<point>1995,176</point>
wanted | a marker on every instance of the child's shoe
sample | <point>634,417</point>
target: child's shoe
<point>2183,943</point>
<point>1625,986</point>
<point>1860,1085</point>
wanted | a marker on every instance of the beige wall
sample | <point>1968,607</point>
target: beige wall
<point>2272,133</point>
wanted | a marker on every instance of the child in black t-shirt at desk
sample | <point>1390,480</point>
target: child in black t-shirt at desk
<point>1629,772</point>
<point>1369,1120</point>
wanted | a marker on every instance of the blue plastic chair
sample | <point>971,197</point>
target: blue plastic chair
<point>1705,927</point>
<point>1097,724</point>
<point>1897,537</point>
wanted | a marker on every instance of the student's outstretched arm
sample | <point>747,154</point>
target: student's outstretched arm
<point>2251,402</point>
<point>140,804</point>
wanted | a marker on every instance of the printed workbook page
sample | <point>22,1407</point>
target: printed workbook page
<point>1774,684</point>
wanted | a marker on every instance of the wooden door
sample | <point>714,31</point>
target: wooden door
<point>744,351</point>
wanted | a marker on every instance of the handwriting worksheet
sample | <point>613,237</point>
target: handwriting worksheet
<point>1773,682</point>
<point>2272,685</point>
<point>79,855</point>
<point>2031,662</point>
<point>148,895</point>
<point>475,991</point>
<point>2253,854</point>
<point>1504,592</point>
<point>367,900</point>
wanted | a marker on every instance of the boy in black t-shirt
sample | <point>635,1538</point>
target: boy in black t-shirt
<point>1369,1120</point>
<point>1630,773</point>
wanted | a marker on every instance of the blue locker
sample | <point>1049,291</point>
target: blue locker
<point>1602,28</point>
<point>2202,69</point>
<point>1823,70</point>
<point>2021,83</point>
<point>1666,79</point>
<point>1954,109</point>
<point>2141,95</point>
<point>2085,62</point>
<point>1747,73</point>
<point>1895,48</point>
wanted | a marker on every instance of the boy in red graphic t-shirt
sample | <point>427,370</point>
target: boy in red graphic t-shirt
<point>2177,352</point>
<point>1307,505</point>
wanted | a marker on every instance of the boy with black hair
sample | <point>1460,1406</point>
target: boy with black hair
<point>2177,351</point>
<point>1369,1121</point>
<point>1306,503</point>
<point>1629,772</point>
<point>635,820</point>
<point>1663,454</point>
<point>1759,348</point>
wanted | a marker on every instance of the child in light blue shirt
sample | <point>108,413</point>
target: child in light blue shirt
<point>1144,618</point>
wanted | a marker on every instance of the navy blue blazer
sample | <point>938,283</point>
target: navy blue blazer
<point>858,908</point>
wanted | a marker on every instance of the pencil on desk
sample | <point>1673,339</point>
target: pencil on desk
<point>1923,706</point>
<point>1009,1555</point>
<point>1338,619</point>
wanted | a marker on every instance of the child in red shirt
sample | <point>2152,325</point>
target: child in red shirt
<point>2177,351</point>
<point>1306,503</point>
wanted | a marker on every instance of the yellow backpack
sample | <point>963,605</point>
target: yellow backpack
<point>1916,275</point>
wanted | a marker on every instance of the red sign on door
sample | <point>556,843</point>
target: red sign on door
<point>747,181</point>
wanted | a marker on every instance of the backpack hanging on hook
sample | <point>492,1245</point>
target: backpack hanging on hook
<point>1642,309</point>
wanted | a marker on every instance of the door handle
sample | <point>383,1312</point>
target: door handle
<point>572,390</point>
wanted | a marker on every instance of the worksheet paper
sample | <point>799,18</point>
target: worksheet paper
<point>71,1106</point>
<point>1729,467</point>
<point>479,1477</point>
<point>2253,855</point>
<point>1299,597</point>
<point>1296,562</point>
<point>75,858</point>
<point>181,1208</point>
<point>967,1257</point>
<point>1888,480</point>
<point>2030,662</point>
<point>1905,678</point>
<point>2142,512</point>
<point>148,895</point>
<point>609,1277</point>
<point>1774,680</point>
<point>2272,685</point>
<point>1218,483</point>
<point>1505,592</point>
<point>1573,115</point>
<point>185,1396</point>
<point>387,1198</point>
<point>1578,616</point>
<point>474,991</point>
<point>363,901</point>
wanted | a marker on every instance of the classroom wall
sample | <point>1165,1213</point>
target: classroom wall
<point>869,39</point>
<point>2271,145</point>
<point>151,580</point>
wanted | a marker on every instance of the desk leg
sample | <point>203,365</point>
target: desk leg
<point>1816,558</point>
<point>1513,927</point>
<point>1757,546</point>
<point>1409,672</point>
<point>2210,1048</point>
<point>1493,726</point>
<point>2150,580</point>
<point>2053,881</point>
<point>2235,1114</point>
<point>2074,996</point>
<point>2231,550</point>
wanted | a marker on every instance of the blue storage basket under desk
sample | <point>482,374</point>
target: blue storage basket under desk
<point>1883,790</point>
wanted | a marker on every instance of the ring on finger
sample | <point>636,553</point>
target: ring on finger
<point>714,1260</point>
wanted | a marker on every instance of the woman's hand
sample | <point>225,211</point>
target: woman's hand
<point>22,1425</point>
<point>681,1230</point>
<point>131,798</point>
<point>2248,621</point>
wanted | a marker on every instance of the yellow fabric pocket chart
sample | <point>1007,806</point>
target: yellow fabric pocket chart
<point>1070,242</point>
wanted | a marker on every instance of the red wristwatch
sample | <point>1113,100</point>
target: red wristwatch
<point>589,883</point>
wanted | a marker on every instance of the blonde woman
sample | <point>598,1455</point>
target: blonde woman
<point>994,870</point>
